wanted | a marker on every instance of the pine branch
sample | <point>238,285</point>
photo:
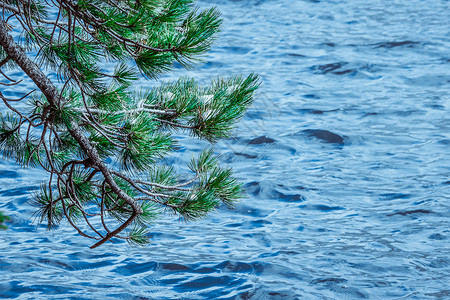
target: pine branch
<point>98,140</point>
<point>50,92</point>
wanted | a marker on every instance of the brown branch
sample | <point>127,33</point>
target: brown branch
<point>4,61</point>
<point>50,92</point>
<point>9,7</point>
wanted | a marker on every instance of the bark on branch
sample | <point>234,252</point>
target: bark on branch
<point>17,54</point>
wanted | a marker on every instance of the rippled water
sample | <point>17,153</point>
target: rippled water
<point>345,157</point>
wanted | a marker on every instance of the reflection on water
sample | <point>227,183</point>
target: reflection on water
<point>344,157</point>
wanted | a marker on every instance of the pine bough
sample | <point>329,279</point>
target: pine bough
<point>100,140</point>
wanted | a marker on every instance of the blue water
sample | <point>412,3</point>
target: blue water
<point>345,158</point>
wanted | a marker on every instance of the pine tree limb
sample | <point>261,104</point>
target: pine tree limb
<point>50,92</point>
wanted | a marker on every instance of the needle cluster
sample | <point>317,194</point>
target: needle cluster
<point>99,139</point>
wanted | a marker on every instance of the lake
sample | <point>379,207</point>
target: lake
<point>344,156</point>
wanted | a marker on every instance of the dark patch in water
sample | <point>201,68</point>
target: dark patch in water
<point>288,198</point>
<point>246,155</point>
<point>410,212</point>
<point>324,69</point>
<point>444,294</point>
<point>311,96</point>
<point>344,72</point>
<point>241,267</point>
<point>343,68</point>
<point>172,267</point>
<point>437,236</point>
<point>8,174</point>
<point>371,114</point>
<point>321,207</point>
<point>253,188</point>
<point>324,280</point>
<point>14,192</point>
<point>261,140</point>
<point>316,111</point>
<point>325,136</point>
<point>438,263</point>
<point>408,44</point>
<point>259,223</point>
<point>296,55</point>
<point>254,183</point>
<point>10,290</point>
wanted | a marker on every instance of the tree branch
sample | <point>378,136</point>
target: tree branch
<point>50,92</point>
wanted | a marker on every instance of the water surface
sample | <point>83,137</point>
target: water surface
<point>345,158</point>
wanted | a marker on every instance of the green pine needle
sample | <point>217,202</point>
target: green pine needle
<point>104,144</point>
